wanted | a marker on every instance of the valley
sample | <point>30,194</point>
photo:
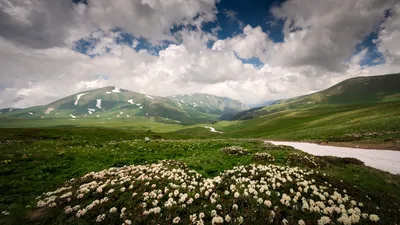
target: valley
<point>193,145</point>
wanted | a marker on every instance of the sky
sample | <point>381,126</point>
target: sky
<point>252,51</point>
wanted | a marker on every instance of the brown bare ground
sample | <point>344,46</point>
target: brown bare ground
<point>36,215</point>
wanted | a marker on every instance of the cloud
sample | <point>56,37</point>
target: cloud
<point>232,17</point>
<point>323,34</point>
<point>319,48</point>
<point>253,42</point>
<point>40,23</point>
<point>50,23</point>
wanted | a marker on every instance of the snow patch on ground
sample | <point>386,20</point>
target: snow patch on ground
<point>48,110</point>
<point>116,90</point>
<point>149,97</point>
<point>121,112</point>
<point>131,101</point>
<point>30,113</point>
<point>78,96</point>
<point>108,92</point>
<point>72,116</point>
<point>141,107</point>
<point>212,129</point>
<point>385,160</point>
<point>97,116</point>
<point>98,103</point>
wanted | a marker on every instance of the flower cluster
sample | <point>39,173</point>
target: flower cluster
<point>263,156</point>
<point>169,193</point>
<point>303,159</point>
<point>235,150</point>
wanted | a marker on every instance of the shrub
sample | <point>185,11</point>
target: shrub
<point>296,159</point>
<point>338,161</point>
<point>169,193</point>
<point>263,156</point>
<point>270,146</point>
<point>235,150</point>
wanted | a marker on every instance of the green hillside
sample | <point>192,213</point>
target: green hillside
<point>377,123</point>
<point>358,90</point>
<point>370,89</point>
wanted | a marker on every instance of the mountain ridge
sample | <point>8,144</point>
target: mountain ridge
<point>112,102</point>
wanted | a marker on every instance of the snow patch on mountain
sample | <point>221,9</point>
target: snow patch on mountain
<point>98,103</point>
<point>72,116</point>
<point>90,111</point>
<point>78,96</point>
<point>48,110</point>
<point>30,113</point>
<point>131,101</point>
<point>149,97</point>
<point>116,90</point>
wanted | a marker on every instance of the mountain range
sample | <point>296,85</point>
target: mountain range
<point>115,103</point>
<point>111,102</point>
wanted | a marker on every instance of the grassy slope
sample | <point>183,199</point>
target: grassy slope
<point>358,90</point>
<point>29,168</point>
<point>371,89</point>
<point>374,123</point>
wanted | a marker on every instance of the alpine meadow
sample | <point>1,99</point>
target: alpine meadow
<point>199,112</point>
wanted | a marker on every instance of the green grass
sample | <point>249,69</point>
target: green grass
<point>40,160</point>
<point>127,124</point>
<point>375,123</point>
